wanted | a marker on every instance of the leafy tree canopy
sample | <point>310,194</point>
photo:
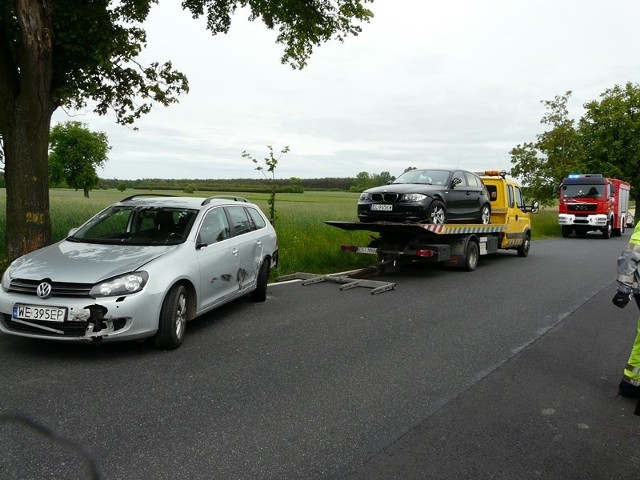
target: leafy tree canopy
<point>76,152</point>
<point>66,53</point>
<point>610,134</point>
<point>606,140</point>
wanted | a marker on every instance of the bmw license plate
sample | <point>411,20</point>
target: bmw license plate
<point>37,312</point>
<point>382,207</point>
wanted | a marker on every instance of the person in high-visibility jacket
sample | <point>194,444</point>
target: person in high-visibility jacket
<point>629,284</point>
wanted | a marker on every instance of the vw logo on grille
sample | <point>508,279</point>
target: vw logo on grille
<point>44,290</point>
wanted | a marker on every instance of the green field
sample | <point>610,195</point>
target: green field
<point>306,243</point>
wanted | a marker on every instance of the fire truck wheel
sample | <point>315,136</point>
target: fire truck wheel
<point>471,256</point>
<point>606,231</point>
<point>566,231</point>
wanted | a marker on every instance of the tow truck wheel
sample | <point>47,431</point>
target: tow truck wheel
<point>523,250</point>
<point>472,254</point>
<point>437,213</point>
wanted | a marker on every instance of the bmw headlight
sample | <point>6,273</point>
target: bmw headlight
<point>122,285</point>
<point>413,197</point>
<point>364,197</point>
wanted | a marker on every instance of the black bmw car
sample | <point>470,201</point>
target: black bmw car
<point>428,196</point>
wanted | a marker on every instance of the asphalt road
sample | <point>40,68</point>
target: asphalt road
<point>507,372</point>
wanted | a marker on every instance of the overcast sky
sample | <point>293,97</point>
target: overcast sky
<point>426,84</point>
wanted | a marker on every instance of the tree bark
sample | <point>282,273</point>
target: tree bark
<point>29,108</point>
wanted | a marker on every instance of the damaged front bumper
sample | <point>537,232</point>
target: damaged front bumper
<point>117,318</point>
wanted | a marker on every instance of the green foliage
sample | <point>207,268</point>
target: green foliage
<point>610,133</point>
<point>270,164</point>
<point>76,152</point>
<point>122,187</point>
<point>365,180</point>
<point>190,188</point>
<point>302,25</point>
<point>606,141</point>
<point>557,152</point>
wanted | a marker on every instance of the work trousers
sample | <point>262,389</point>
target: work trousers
<point>632,370</point>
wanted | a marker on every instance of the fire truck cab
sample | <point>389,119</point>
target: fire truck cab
<point>589,202</point>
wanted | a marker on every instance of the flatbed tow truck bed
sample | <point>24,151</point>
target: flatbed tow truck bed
<point>457,245</point>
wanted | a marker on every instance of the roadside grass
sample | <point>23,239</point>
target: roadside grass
<point>306,243</point>
<point>544,224</point>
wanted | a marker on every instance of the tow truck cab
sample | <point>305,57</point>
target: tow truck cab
<point>508,208</point>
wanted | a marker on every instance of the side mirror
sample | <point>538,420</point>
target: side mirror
<point>534,208</point>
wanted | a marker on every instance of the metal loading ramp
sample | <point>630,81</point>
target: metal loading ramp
<point>348,281</point>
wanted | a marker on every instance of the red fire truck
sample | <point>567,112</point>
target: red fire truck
<point>591,202</point>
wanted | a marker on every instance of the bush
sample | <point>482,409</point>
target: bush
<point>291,189</point>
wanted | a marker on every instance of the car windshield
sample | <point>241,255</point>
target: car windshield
<point>135,225</point>
<point>427,177</point>
<point>579,191</point>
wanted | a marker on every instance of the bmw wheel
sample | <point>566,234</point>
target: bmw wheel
<point>173,318</point>
<point>437,213</point>
<point>485,215</point>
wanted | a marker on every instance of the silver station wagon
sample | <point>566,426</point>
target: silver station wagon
<point>140,268</point>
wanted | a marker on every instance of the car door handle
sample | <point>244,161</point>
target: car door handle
<point>234,252</point>
<point>259,243</point>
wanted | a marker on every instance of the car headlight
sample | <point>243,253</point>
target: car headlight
<point>6,279</point>
<point>122,285</point>
<point>364,197</point>
<point>413,197</point>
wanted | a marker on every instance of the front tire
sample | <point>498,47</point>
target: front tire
<point>173,318</point>
<point>437,213</point>
<point>606,231</point>
<point>523,250</point>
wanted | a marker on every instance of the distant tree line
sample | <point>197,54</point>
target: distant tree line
<point>359,183</point>
<point>290,185</point>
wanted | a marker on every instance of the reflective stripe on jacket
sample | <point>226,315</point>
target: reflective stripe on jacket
<point>628,264</point>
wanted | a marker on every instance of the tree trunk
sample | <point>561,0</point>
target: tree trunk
<point>27,108</point>
<point>27,185</point>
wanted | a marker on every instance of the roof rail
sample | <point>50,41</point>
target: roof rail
<point>227,197</point>
<point>146,195</point>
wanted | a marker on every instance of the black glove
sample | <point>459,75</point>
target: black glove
<point>620,299</point>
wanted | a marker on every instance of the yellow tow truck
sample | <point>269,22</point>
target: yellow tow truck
<point>457,245</point>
